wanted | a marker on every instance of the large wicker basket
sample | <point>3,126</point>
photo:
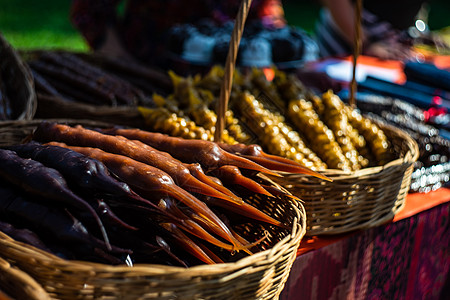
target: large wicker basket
<point>359,199</point>
<point>17,77</point>
<point>259,276</point>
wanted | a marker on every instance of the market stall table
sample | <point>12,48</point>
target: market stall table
<point>408,258</point>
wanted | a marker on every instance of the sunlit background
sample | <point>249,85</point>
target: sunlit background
<point>45,23</point>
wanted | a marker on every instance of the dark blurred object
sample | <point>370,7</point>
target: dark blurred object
<point>428,74</point>
<point>426,89</point>
<point>74,79</point>
<point>287,47</point>
<point>432,169</point>
<point>318,81</point>
<point>412,92</point>
<point>206,44</point>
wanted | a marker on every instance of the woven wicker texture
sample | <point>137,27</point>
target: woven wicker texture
<point>18,284</point>
<point>359,199</point>
<point>17,77</point>
<point>119,115</point>
<point>259,276</point>
<point>15,132</point>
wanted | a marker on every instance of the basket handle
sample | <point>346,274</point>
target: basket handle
<point>225,90</point>
<point>356,51</point>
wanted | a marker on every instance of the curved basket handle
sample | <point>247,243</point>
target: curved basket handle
<point>230,63</point>
<point>356,51</point>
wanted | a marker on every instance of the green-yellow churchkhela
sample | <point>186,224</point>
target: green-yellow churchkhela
<point>294,139</point>
<point>273,135</point>
<point>374,136</point>
<point>195,103</point>
<point>288,86</point>
<point>164,121</point>
<point>325,134</point>
<point>233,125</point>
<point>336,119</point>
<point>320,138</point>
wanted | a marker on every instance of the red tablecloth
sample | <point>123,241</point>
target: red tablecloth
<point>407,258</point>
<point>415,203</point>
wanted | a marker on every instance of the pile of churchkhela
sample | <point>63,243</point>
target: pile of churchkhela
<point>432,168</point>
<point>127,196</point>
<point>281,114</point>
<point>284,117</point>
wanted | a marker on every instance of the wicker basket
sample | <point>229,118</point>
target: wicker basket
<point>119,115</point>
<point>19,81</point>
<point>259,276</point>
<point>15,132</point>
<point>18,284</point>
<point>359,199</point>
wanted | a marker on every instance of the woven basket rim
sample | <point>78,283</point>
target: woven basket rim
<point>298,231</point>
<point>35,122</point>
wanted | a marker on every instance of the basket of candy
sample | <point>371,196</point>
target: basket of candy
<point>140,244</point>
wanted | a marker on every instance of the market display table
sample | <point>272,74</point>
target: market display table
<point>408,258</point>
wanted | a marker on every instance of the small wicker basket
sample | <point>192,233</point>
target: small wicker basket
<point>17,76</point>
<point>359,199</point>
<point>259,276</point>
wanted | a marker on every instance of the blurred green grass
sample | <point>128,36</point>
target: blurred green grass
<point>44,24</point>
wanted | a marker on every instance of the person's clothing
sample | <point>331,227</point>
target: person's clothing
<point>380,20</point>
<point>191,33</point>
<point>143,25</point>
<point>331,40</point>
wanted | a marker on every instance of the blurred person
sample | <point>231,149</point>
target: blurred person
<point>139,29</point>
<point>190,36</point>
<point>386,28</point>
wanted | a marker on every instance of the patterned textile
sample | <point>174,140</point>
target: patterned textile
<point>408,259</point>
